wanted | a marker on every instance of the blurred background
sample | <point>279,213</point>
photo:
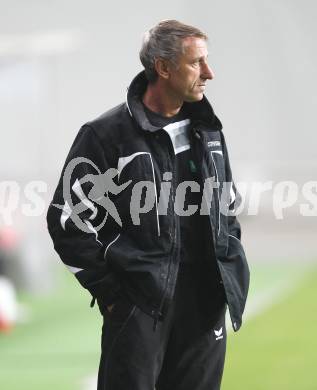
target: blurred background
<point>64,63</point>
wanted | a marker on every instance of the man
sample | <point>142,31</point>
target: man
<point>143,217</point>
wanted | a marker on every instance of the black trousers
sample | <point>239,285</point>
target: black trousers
<point>185,352</point>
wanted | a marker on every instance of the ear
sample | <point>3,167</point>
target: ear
<point>162,68</point>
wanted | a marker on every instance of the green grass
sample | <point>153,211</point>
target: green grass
<point>58,347</point>
<point>278,349</point>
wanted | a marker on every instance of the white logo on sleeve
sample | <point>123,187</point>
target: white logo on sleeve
<point>218,334</point>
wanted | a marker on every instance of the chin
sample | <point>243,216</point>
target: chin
<point>194,98</point>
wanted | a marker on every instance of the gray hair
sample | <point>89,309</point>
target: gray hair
<point>165,40</point>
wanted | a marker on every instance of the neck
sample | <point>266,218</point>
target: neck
<point>158,99</point>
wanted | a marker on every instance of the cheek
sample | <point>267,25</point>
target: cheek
<point>194,81</point>
<point>178,81</point>
<point>194,77</point>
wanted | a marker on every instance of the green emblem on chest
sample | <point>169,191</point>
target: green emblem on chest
<point>192,166</point>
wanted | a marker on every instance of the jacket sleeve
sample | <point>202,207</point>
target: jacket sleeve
<point>76,218</point>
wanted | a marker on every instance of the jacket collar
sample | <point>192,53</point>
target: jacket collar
<point>200,112</point>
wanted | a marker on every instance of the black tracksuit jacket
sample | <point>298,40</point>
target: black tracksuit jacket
<point>143,259</point>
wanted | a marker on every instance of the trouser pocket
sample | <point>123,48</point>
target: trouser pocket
<point>115,325</point>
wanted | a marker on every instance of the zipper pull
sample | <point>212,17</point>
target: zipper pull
<point>196,133</point>
<point>157,315</point>
<point>155,323</point>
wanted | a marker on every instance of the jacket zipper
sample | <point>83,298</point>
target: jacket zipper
<point>199,136</point>
<point>158,312</point>
<point>171,275</point>
<point>217,192</point>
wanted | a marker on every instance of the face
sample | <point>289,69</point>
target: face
<point>187,81</point>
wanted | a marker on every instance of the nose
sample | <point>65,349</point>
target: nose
<point>207,72</point>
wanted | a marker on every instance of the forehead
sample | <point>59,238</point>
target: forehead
<point>194,47</point>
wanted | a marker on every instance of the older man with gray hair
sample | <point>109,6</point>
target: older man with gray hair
<point>163,280</point>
